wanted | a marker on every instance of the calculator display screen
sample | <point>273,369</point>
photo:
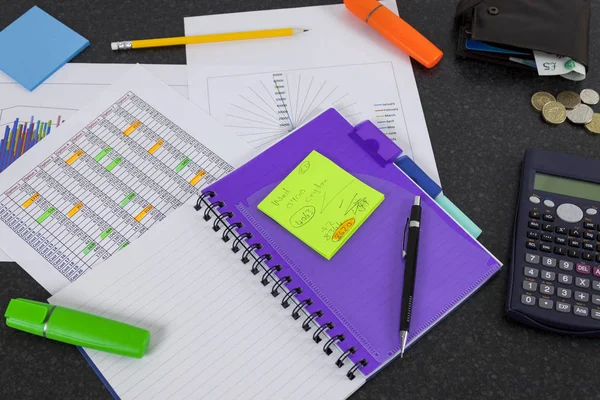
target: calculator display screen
<point>567,186</point>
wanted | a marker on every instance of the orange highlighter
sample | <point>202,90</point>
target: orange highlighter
<point>396,30</point>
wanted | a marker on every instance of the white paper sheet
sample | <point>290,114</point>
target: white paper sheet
<point>111,172</point>
<point>69,89</point>
<point>336,39</point>
<point>216,331</point>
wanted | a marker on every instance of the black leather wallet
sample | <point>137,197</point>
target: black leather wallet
<point>558,27</point>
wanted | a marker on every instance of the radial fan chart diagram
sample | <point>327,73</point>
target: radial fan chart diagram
<point>278,103</point>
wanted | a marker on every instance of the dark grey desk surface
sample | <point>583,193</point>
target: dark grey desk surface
<point>480,122</point>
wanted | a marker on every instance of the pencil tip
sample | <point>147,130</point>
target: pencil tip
<point>306,30</point>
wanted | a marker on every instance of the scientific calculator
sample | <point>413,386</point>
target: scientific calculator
<point>554,277</point>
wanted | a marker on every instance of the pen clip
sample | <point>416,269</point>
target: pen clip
<point>404,237</point>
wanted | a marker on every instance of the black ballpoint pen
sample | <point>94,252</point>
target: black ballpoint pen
<point>410,271</point>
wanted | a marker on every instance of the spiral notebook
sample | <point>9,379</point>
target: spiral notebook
<point>284,322</point>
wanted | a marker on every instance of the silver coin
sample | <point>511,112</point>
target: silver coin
<point>581,114</point>
<point>589,96</point>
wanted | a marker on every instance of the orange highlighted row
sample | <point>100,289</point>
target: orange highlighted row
<point>31,200</point>
<point>75,210</point>
<point>197,177</point>
<point>74,157</point>
<point>132,128</point>
<point>143,213</point>
<point>156,146</point>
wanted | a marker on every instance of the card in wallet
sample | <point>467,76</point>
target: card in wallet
<point>553,26</point>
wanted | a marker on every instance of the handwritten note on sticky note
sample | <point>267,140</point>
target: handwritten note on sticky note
<point>321,204</point>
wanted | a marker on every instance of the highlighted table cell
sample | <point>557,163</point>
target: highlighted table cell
<point>31,200</point>
<point>45,215</point>
<point>75,210</point>
<point>156,146</point>
<point>132,128</point>
<point>113,164</point>
<point>197,178</point>
<point>89,248</point>
<point>74,157</point>
<point>127,199</point>
<point>182,164</point>
<point>105,234</point>
<point>103,153</point>
<point>143,213</point>
<point>123,246</point>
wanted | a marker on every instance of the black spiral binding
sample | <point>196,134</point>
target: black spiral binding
<point>241,239</point>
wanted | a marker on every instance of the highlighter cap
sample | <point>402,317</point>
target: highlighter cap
<point>27,315</point>
<point>361,8</point>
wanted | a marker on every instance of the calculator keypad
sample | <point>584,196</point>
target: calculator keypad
<point>561,262</point>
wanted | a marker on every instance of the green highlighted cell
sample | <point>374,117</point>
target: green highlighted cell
<point>113,164</point>
<point>127,199</point>
<point>45,215</point>
<point>182,164</point>
<point>107,232</point>
<point>89,248</point>
<point>101,155</point>
<point>123,246</point>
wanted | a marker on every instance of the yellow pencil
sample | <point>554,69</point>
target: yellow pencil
<point>217,37</point>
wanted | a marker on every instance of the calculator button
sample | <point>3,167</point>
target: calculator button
<point>596,285</point>
<point>532,258</point>
<point>529,286</point>
<point>545,247</point>
<point>547,227</point>
<point>527,300</point>
<point>596,314</point>
<point>547,238</point>
<point>588,225</point>
<point>563,307</point>
<point>563,231</point>
<point>581,311</point>
<point>535,214</point>
<point>548,217</point>
<point>561,251</point>
<point>565,265</point>
<point>565,279</point>
<point>531,272</point>
<point>534,200</point>
<point>587,256</point>
<point>598,247</point>
<point>588,246</point>
<point>591,211</point>
<point>531,245</point>
<point>533,235</point>
<point>575,232</point>
<point>548,276</point>
<point>564,293</point>
<point>569,213</point>
<point>598,237</point>
<point>560,240</point>
<point>582,282</point>
<point>574,243</point>
<point>573,253</point>
<point>549,203</point>
<point>582,297</point>
<point>548,262</point>
<point>534,225</point>
<point>583,269</point>
<point>597,272</point>
<point>588,235</point>
<point>547,304</point>
<point>547,290</point>
<point>596,299</point>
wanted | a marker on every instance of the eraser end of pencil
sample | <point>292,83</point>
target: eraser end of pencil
<point>114,46</point>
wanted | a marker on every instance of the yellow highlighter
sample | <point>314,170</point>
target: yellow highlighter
<point>212,38</point>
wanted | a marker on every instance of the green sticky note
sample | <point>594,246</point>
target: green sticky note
<point>321,204</point>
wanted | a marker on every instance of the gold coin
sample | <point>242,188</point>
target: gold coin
<point>569,99</point>
<point>594,125</point>
<point>554,113</point>
<point>540,98</point>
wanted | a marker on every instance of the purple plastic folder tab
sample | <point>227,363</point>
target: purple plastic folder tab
<point>359,289</point>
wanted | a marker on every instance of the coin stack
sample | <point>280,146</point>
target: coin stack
<point>575,107</point>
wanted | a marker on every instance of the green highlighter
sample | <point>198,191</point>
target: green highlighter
<point>76,327</point>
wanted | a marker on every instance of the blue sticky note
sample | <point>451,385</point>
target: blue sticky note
<point>35,46</point>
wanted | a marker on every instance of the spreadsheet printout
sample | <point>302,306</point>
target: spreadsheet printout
<point>111,173</point>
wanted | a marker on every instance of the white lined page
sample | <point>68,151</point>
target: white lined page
<point>216,331</point>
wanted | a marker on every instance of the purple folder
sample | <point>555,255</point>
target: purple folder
<point>359,289</point>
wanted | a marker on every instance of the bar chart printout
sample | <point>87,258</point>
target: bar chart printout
<point>116,178</point>
<point>21,136</point>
